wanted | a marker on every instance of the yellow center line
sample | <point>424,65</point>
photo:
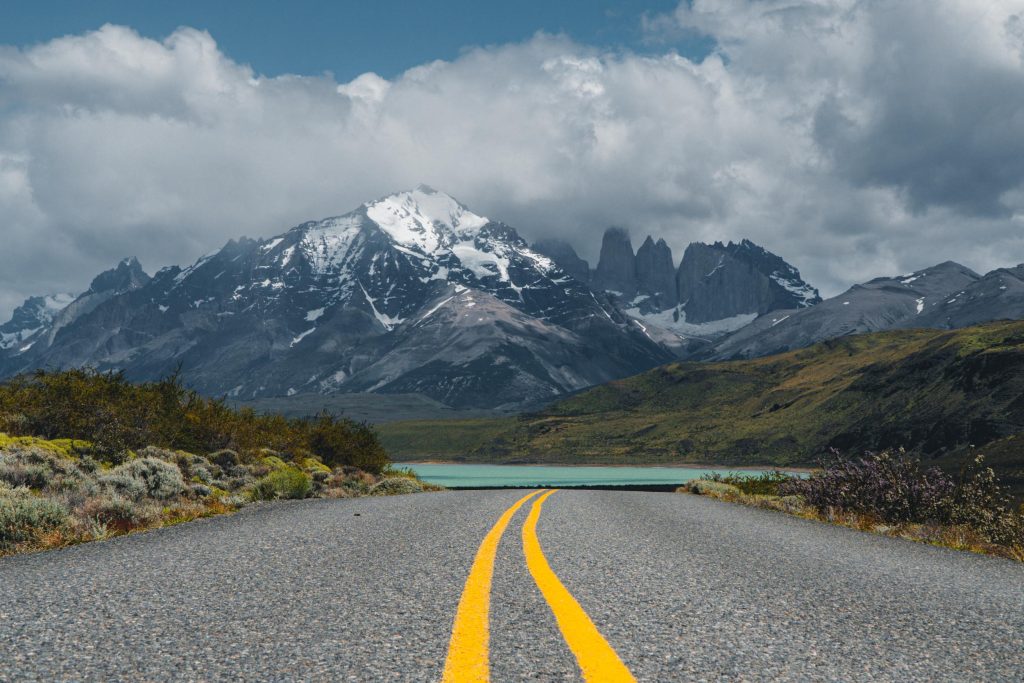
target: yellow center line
<point>596,658</point>
<point>468,650</point>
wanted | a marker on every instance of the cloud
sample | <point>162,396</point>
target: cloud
<point>853,138</point>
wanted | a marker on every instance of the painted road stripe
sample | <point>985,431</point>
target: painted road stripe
<point>468,650</point>
<point>596,658</point>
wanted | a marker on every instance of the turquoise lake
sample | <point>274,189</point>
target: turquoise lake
<point>471,475</point>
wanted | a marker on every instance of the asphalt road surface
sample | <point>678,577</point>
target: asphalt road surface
<point>614,586</point>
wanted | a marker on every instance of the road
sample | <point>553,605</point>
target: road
<point>673,587</point>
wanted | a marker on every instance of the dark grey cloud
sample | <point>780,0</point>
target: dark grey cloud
<point>855,138</point>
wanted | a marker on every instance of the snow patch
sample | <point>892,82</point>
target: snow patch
<point>804,292</point>
<point>667,320</point>
<point>302,336</point>
<point>327,243</point>
<point>384,319</point>
<point>434,309</point>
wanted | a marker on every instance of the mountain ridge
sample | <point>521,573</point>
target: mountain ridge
<point>316,307</point>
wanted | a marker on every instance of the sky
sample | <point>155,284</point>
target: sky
<point>855,138</point>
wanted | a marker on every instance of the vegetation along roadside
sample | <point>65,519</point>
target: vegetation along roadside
<point>890,493</point>
<point>87,455</point>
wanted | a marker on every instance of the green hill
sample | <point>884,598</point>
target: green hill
<point>930,391</point>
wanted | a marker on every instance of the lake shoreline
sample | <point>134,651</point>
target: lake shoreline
<point>621,477</point>
<point>681,466</point>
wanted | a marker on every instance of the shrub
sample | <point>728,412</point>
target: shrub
<point>200,491</point>
<point>24,516</point>
<point>224,458</point>
<point>118,417</point>
<point>145,477</point>
<point>704,487</point>
<point>116,512</point>
<point>287,483</point>
<point>895,488</point>
<point>36,467</point>
<point>123,485</point>
<point>394,486</point>
<point>344,442</point>
<point>764,484</point>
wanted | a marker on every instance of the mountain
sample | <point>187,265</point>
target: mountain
<point>616,269</point>
<point>936,392</point>
<point>716,289</point>
<point>998,295</point>
<point>563,254</point>
<point>410,293</point>
<point>655,276</point>
<point>719,281</point>
<point>881,304</point>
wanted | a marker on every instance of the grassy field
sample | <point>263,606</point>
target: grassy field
<point>935,392</point>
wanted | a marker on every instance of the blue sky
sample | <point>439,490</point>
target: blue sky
<point>348,38</point>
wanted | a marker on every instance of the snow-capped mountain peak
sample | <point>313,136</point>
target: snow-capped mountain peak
<point>424,219</point>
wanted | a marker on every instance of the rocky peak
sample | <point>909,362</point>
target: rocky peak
<point>616,269</point>
<point>128,275</point>
<point>562,253</point>
<point>719,281</point>
<point>655,274</point>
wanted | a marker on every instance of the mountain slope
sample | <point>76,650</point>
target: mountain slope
<point>998,295</point>
<point>927,390</point>
<point>339,304</point>
<point>881,304</point>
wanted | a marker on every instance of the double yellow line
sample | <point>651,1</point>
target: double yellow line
<point>469,648</point>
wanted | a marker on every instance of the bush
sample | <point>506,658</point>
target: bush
<point>36,467</point>
<point>704,487</point>
<point>117,512</point>
<point>24,516</point>
<point>123,485</point>
<point>344,442</point>
<point>117,417</point>
<point>287,483</point>
<point>764,484</point>
<point>394,486</point>
<point>895,488</point>
<point>158,479</point>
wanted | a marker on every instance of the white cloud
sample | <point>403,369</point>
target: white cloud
<point>853,138</point>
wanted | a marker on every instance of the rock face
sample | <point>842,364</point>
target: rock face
<point>562,253</point>
<point>616,269</point>
<point>655,276</point>
<point>718,281</point>
<point>413,292</point>
<point>881,304</point>
<point>716,289</point>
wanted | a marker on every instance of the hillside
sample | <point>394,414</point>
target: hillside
<point>931,391</point>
